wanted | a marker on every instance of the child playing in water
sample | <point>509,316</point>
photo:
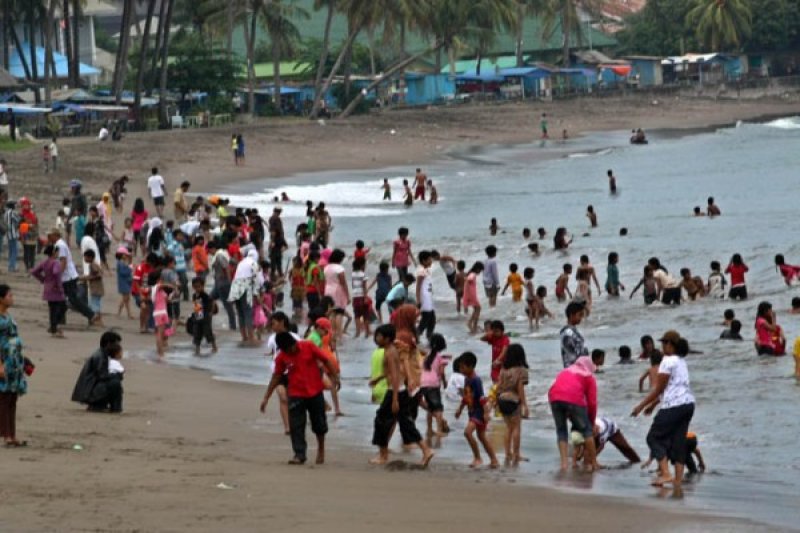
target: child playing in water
<point>361,250</point>
<point>530,294</point>
<point>716,281</point>
<point>727,317</point>
<point>434,199</point>
<point>475,401</point>
<point>586,266</point>
<point>789,272</point>
<point>648,347</point>
<point>384,284</point>
<point>493,227</point>
<point>613,284</point>
<point>584,292</point>
<point>460,280</point>
<point>562,284</point>
<point>511,399</point>
<point>733,333</point>
<point>387,190</point>
<point>650,291</point>
<point>408,194</point>
<point>516,283</point>
<point>796,355</point>
<point>297,279</point>
<point>693,286</point>
<point>652,372</point>
<point>736,269</point>
<point>795,310</point>
<point>431,383</point>
<point>625,355</point>
<point>496,338</point>
<point>533,248</point>
<point>592,216</point>
<point>470,297</point>
<point>537,308</point>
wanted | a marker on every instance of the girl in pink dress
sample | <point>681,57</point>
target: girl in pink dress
<point>470,298</point>
<point>160,316</point>
<point>336,287</point>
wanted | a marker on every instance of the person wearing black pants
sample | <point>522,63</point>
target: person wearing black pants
<point>396,407</point>
<point>57,310</point>
<point>75,301</point>
<point>300,361</point>
<point>96,387</point>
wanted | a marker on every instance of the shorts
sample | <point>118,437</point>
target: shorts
<point>650,298</point>
<point>451,280</point>
<point>667,435</point>
<point>480,423</point>
<point>671,296</point>
<point>738,293</point>
<point>433,398</point>
<point>284,380</point>
<point>508,407</point>
<point>159,201</point>
<point>563,411</point>
<point>360,307</point>
<point>490,290</point>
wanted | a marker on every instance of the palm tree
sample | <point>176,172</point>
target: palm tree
<point>162,86</point>
<point>524,9</point>
<point>143,50</point>
<point>721,24</point>
<point>325,50</point>
<point>284,36</point>
<point>565,15</point>
<point>121,61</point>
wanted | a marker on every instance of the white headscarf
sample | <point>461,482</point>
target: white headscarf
<point>247,267</point>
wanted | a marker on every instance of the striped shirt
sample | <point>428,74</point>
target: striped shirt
<point>12,222</point>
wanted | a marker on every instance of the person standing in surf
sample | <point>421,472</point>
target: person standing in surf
<point>420,181</point>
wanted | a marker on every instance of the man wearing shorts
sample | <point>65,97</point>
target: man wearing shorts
<point>156,186</point>
<point>420,180</point>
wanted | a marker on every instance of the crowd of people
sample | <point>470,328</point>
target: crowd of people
<point>211,256</point>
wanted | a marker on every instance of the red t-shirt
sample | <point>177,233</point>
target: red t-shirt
<point>737,274</point>
<point>305,380</point>
<point>497,344</point>
<point>140,275</point>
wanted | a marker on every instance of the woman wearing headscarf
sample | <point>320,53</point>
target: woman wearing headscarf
<point>245,290</point>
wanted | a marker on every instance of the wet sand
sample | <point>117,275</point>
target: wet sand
<point>158,466</point>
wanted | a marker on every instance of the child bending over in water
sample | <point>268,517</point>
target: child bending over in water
<point>475,401</point>
<point>789,272</point>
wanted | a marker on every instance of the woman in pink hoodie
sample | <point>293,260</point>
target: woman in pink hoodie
<point>573,397</point>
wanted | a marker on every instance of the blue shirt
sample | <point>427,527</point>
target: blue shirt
<point>473,396</point>
<point>384,285</point>
<point>124,278</point>
<point>177,251</point>
<point>11,357</point>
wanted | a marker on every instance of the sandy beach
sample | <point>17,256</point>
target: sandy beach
<point>191,452</point>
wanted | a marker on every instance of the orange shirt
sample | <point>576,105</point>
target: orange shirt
<point>200,259</point>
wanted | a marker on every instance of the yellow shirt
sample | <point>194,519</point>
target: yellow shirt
<point>515,281</point>
<point>797,347</point>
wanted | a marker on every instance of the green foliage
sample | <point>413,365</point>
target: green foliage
<point>310,50</point>
<point>343,99</point>
<point>659,29</point>
<point>721,24</point>
<point>104,40</point>
<point>197,68</point>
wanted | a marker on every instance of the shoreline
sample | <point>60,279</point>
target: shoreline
<point>183,433</point>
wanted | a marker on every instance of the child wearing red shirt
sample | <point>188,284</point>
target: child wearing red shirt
<point>499,341</point>
<point>736,269</point>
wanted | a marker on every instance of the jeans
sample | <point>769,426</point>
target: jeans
<point>12,255</point>
<point>244,310</point>
<point>563,411</point>
<point>56,314</point>
<point>96,303</point>
<point>75,301</point>
<point>315,407</point>
<point>184,285</point>
<point>221,291</point>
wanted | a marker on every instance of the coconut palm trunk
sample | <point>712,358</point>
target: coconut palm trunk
<point>323,59</point>
<point>74,68</point>
<point>143,50</point>
<point>162,89</point>
<point>49,64</point>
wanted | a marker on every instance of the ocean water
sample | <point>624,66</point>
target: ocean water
<point>746,416</point>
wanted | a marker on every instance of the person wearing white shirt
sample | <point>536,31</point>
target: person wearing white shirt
<point>427,322</point>
<point>667,435</point>
<point>69,277</point>
<point>103,135</point>
<point>156,186</point>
